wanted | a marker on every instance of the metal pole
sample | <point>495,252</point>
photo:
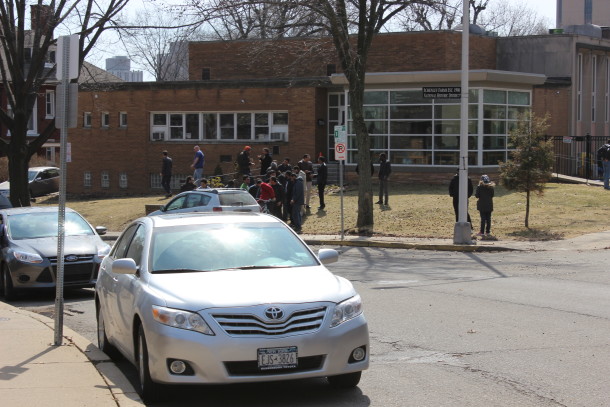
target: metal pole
<point>341,189</point>
<point>462,229</point>
<point>61,213</point>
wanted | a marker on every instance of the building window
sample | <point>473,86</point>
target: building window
<point>593,86</point>
<point>205,74</point>
<point>87,119</point>
<point>123,119</point>
<point>588,11</point>
<point>123,180</point>
<point>220,126</point>
<point>413,130</point>
<point>579,90</point>
<point>105,119</point>
<point>105,179</point>
<point>50,104</point>
<point>87,179</point>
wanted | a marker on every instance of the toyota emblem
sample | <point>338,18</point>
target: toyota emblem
<point>274,313</point>
<point>71,257</point>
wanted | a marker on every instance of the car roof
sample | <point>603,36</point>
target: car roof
<point>41,168</point>
<point>33,209</point>
<point>207,218</point>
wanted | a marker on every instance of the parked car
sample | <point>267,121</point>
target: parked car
<point>227,298</point>
<point>211,200</point>
<point>28,239</point>
<point>41,180</point>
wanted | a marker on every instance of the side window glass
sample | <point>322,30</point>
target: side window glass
<point>118,252</point>
<point>177,203</point>
<point>193,200</point>
<point>136,248</point>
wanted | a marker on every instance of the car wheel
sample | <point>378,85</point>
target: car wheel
<point>6,284</point>
<point>344,381</point>
<point>102,339</point>
<point>149,390</point>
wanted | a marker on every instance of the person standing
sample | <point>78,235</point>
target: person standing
<point>297,200</point>
<point>265,160</point>
<point>284,166</point>
<point>166,174</point>
<point>321,179</point>
<point>243,161</point>
<point>604,156</point>
<point>307,167</point>
<point>197,165</point>
<point>280,193</point>
<point>454,192</point>
<point>485,204</point>
<point>385,169</point>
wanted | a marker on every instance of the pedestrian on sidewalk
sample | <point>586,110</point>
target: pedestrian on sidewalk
<point>603,155</point>
<point>454,192</point>
<point>485,204</point>
<point>321,180</point>
<point>385,169</point>
<point>166,174</point>
<point>197,165</point>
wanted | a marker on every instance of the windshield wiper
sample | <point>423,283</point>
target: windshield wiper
<point>168,271</point>
<point>252,267</point>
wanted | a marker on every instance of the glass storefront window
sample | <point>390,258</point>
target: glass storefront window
<point>408,97</point>
<point>411,127</point>
<point>411,112</point>
<point>410,142</point>
<point>518,98</point>
<point>375,112</point>
<point>376,98</point>
<point>494,96</point>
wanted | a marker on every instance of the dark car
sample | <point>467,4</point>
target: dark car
<point>41,181</point>
<point>28,239</point>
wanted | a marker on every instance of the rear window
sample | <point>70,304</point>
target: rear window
<point>237,198</point>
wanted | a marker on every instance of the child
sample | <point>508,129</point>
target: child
<point>485,204</point>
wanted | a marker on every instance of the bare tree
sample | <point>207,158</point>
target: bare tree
<point>492,15</point>
<point>26,66</point>
<point>161,49</point>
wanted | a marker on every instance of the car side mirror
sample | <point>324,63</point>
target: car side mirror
<point>100,230</point>
<point>124,266</point>
<point>328,256</point>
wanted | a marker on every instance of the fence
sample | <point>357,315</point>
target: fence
<point>576,156</point>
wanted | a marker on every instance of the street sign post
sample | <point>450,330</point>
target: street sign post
<point>341,156</point>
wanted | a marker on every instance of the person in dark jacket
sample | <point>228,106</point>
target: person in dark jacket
<point>280,195</point>
<point>265,160</point>
<point>166,174</point>
<point>321,179</point>
<point>188,185</point>
<point>485,204</point>
<point>297,201</point>
<point>385,169</point>
<point>454,192</point>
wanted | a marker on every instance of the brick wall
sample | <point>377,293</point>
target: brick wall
<point>130,149</point>
<point>391,52</point>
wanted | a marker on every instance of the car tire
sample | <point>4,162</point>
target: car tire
<point>148,390</point>
<point>345,381</point>
<point>102,339</point>
<point>6,284</point>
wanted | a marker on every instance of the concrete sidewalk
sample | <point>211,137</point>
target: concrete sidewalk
<point>35,372</point>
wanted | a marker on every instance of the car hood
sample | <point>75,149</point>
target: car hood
<point>47,246</point>
<point>235,288</point>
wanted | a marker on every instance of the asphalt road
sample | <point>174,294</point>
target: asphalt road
<point>447,329</point>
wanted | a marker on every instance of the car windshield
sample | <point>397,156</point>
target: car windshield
<point>226,246</point>
<point>32,175</point>
<point>44,224</point>
<point>236,198</point>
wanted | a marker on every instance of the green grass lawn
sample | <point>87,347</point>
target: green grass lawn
<point>564,211</point>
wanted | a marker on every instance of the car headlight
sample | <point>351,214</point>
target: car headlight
<point>181,319</point>
<point>26,257</point>
<point>346,310</point>
<point>103,252</point>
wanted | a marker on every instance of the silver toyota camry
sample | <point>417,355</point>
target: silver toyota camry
<point>227,298</point>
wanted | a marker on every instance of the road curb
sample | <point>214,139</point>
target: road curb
<point>402,245</point>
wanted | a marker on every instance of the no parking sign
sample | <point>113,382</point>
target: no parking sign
<point>340,143</point>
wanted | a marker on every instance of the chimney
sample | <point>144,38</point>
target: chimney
<point>42,17</point>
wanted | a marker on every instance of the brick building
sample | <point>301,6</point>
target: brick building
<point>289,95</point>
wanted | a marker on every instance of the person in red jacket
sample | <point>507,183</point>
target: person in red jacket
<point>265,195</point>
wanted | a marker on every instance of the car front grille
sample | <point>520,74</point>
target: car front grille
<point>81,271</point>
<point>250,368</point>
<point>247,324</point>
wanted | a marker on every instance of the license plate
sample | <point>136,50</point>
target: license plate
<point>277,358</point>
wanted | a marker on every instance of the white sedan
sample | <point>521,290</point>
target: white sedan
<point>227,298</point>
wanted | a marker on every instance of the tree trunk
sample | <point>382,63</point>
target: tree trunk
<point>364,222</point>
<point>18,162</point>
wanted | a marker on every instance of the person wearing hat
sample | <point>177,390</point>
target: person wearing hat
<point>243,161</point>
<point>485,204</point>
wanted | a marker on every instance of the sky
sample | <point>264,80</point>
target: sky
<point>545,8</point>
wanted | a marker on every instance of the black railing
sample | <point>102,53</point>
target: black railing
<point>577,156</point>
